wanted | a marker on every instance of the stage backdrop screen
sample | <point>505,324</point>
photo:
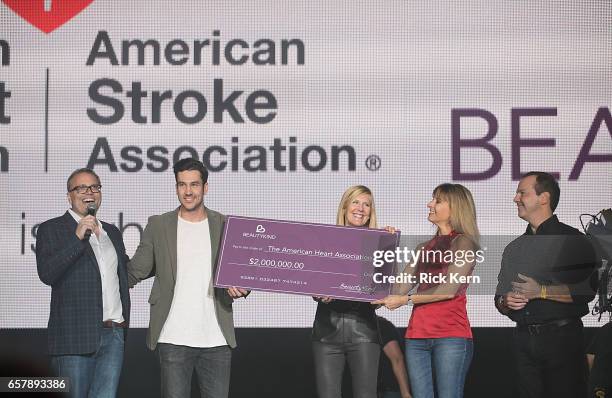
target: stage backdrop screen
<point>288,103</point>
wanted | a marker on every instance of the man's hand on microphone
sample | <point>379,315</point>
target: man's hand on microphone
<point>87,223</point>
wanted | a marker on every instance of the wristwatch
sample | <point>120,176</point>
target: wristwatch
<point>501,302</point>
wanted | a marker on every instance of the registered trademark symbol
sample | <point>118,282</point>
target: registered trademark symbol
<point>373,162</point>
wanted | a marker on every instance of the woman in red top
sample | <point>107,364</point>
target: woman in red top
<point>439,343</point>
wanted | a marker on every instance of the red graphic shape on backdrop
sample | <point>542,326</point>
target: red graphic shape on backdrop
<point>47,15</point>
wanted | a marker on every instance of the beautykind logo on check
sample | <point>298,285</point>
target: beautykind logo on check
<point>259,233</point>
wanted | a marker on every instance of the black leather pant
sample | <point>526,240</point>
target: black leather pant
<point>329,360</point>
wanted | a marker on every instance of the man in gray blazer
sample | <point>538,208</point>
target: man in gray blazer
<point>191,322</point>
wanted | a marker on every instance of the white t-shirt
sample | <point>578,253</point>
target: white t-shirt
<point>192,320</point>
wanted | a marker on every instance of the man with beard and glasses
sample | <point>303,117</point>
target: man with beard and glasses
<point>191,323</point>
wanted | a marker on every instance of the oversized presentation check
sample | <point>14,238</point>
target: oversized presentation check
<point>304,258</point>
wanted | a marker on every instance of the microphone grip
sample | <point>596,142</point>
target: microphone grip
<point>91,211</point>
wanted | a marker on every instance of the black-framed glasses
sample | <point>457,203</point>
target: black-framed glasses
<point>81,189</point>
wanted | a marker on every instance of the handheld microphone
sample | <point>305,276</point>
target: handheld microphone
<point>92,208</point>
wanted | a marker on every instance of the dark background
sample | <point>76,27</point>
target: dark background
<point>267,363</point>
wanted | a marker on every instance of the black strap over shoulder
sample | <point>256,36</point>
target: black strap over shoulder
<point>599,231</point>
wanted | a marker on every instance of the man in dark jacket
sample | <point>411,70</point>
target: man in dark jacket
<point>84,262</point>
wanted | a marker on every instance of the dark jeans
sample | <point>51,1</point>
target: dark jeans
<point>437,367</point>
<point>212,367</point>
<point>94,375</point>
<point>551,364</point>
<point>329,360</point>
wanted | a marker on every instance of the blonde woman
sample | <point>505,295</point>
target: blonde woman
<point>346,331</point>
<point>439,345</point>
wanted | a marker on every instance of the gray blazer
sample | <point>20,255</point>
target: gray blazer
<point>156,256</point>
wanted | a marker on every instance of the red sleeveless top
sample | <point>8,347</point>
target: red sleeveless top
<point>447,318</point>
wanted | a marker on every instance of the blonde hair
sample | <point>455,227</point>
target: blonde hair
<point>349,195</point>
<point>462,209</point>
